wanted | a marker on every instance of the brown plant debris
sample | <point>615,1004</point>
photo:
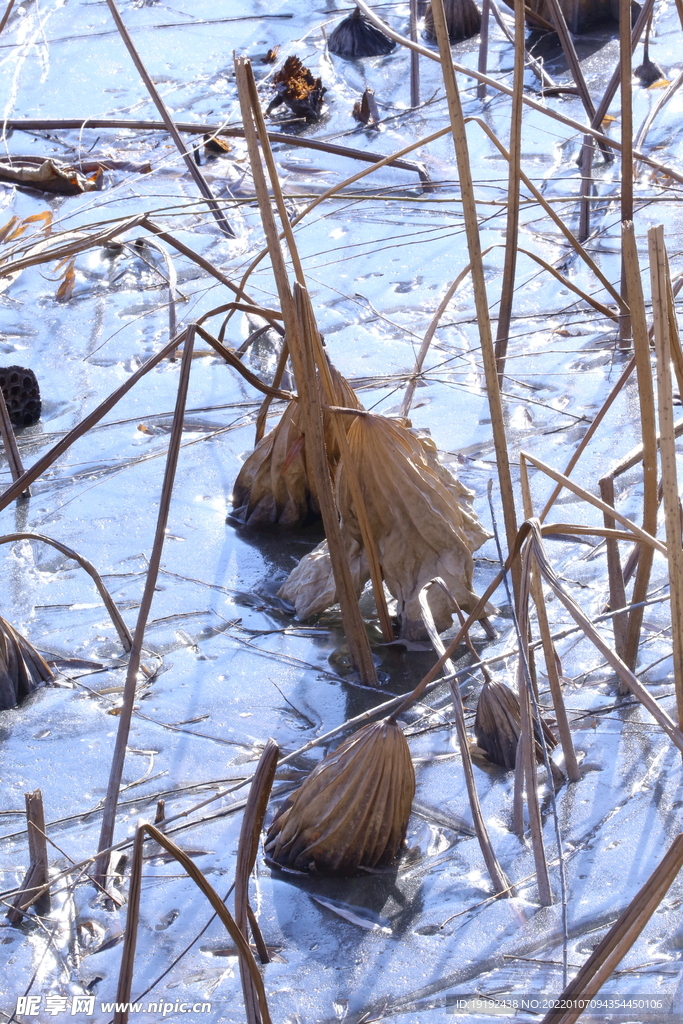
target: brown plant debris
<point>22,669</point>
<point>275,484</point>
<point>52,177</point>
<point>365,109</point>
<point>352,811</point>
<point>421,519</point>
<point>214,145</point>
<point>22,395</point>
<point>497,725</point>
<point>356,37</point>
<point>271,56</point>
<point>297,87</point>
<point>463,19</point>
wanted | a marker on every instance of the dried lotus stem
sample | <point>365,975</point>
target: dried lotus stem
<point>10,444</point>
<point>107,599</point>
<point>298,333</point>
<point>552,661</point>
<point>250,833</point>
<point>527,759</point>
<point>646,403</point>
<point>251,97</point>
<point>499,881</point>
<point>120,746</point>
<point>307,382</point>
<point>513,197</point>
<point>469,207</point>
<point>130,935</point>
<point>352,810</point>
<point>665,326</point>
<point>619,939</point>
<point>22,669</point>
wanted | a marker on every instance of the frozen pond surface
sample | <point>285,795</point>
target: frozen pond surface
<point>226,667</point>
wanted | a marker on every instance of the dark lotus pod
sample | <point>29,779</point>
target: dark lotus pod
<point>648,73</point>
<point>462,17</point>
<point>355,37</point>
<point>22,395</point>
<point>352,811</point>
<point>497,725</point>
<point>22,670</point>
<point>297,87</point>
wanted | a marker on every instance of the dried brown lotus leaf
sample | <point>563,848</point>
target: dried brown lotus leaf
<point>274,484</point>
<point>497,725</point>
<point>310,586</point>
<point>352,811</point>
<point>22,669</point>
<point>421,520</point>
<point>463,20</point>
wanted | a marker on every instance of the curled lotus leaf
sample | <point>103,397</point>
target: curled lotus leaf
<point>352,811</point>
<point>22,669</point>
<point>274,485</point>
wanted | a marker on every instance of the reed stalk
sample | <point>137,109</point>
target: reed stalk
<point>527,760</point>
<point>192,167</point>
<point>664,324</point>
<point>108,601</point>
<point>583,444</point>
<point>250,833</point>
<point>414,58</point>
<point>483,46</point>
<point>497,875</point>
<point>617,591</point>
<point>478,277</point>
<point>619,939</point>
<point>10,444</point>
<point>555,115</point>
<point>646,398</point>
<point>130,935</point>
<point>626,148</point>
<point>119,755</point>
<point>549,653</point>
<point>321,363</point>
<point>513,196</point>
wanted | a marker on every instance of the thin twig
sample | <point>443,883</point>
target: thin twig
<point>214,206</point>
<point>116,771</point>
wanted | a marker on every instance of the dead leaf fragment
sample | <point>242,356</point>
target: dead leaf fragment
<point>51,177</point>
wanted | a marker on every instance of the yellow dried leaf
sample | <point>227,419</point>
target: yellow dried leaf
<point>65,290</point>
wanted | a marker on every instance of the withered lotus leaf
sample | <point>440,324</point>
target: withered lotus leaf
<point>274,484</point>
<point>463,19</point>
<point>421,520</point>
<point>352,811</point>
<point>22,669</point>
<point>497,725</point>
